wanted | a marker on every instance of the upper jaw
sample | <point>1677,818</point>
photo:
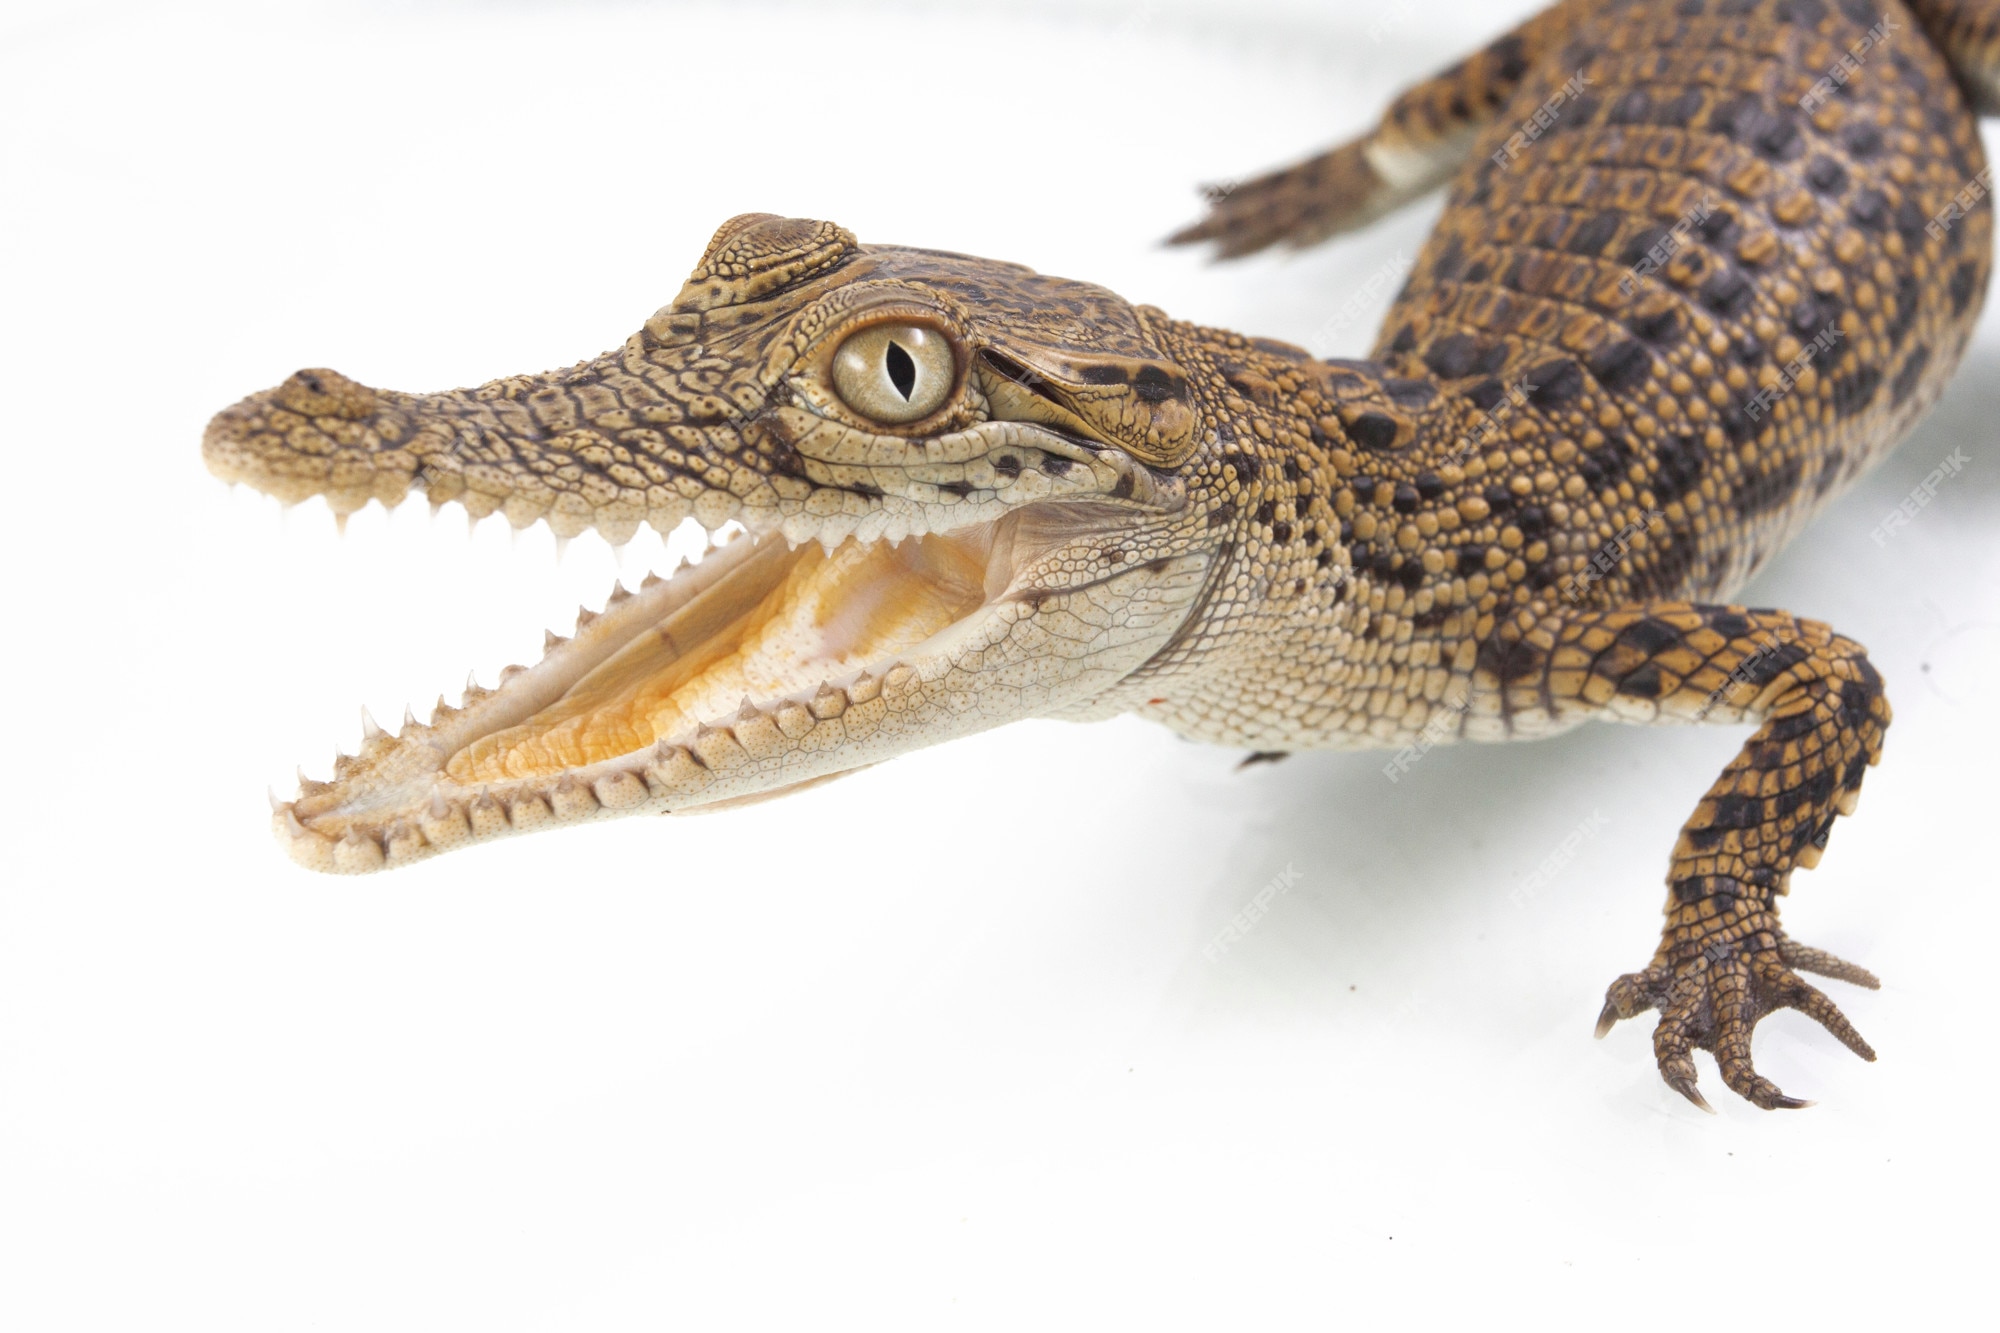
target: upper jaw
<point>779,466</point>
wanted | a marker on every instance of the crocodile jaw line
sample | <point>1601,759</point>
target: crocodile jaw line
<point>762,668</point>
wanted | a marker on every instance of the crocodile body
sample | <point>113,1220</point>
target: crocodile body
<point>1703,263</point>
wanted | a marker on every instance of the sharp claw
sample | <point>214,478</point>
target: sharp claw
<point>1790,1104</point>
<point>1606,1019</point>
<point>1686,1088</point>
<point>1814,1005</point>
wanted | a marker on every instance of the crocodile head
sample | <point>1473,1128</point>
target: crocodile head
<point>963,494</point>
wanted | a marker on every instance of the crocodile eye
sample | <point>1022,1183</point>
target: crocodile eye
<point>894,372</point>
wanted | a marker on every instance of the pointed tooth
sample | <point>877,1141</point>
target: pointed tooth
<point>835,529</point>
<point>311,786</point>
<point>487,816</point>
<point>311,850</point>
<point>668,515</point>
<point>651,580</point>
<point>718,749</point>
<point>521,511</point>
<point>370,730</point>
<point>746,710</point>
<point>357,853</point>
<point>409,717</point>
<point>340,523</point>
<point>828,703</point>
<point>674,769</point>
<point>445,824</point>
<point>550,642</point>
<point>562,544</point>
<point>712,509</point>
<point>529,811</point>
<point>760,736</point>
<point>402,842</point>
<point>618,594</point>
<point>794,718</point>
<point>584,615</point>
<point>572,799</point>
<point>442,709</point>
<point>276,804</point>
<point>617,531</point>
<point>620,791</point>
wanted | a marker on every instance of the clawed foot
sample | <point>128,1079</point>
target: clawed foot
<point>1714,998</point>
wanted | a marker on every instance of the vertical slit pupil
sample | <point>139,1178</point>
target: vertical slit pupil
<point>902,370</point>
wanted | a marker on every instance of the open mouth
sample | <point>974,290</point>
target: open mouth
<point>777,624</point>
<point>764,667</point>
<point>1001,553</point>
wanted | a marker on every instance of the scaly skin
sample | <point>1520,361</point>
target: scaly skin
<point>1660,324</point>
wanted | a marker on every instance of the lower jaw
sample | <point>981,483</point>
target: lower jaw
<point>761,669</point>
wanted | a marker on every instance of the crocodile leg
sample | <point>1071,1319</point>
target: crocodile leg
<point>1420,141</point>
<point>1968,33</point>
<point>1724,961</point>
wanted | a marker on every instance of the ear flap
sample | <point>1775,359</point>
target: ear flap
<point>754,254</point>
<point>1141,404</point>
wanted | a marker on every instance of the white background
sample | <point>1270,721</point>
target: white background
<point>937,1046</point>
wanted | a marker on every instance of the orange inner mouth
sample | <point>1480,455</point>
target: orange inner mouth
<point>775,627</point>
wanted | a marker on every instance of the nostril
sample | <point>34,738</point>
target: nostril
<point>326,393</point>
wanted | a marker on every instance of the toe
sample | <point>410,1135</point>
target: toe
<point>1814,1005</point>
<point>1823,964</point>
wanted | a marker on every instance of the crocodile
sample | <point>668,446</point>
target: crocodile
<point>1702,263</point>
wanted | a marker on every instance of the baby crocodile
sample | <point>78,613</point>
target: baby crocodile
<point>1704,262</point>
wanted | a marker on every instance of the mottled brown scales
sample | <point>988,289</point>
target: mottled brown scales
<point>1703,263</point>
